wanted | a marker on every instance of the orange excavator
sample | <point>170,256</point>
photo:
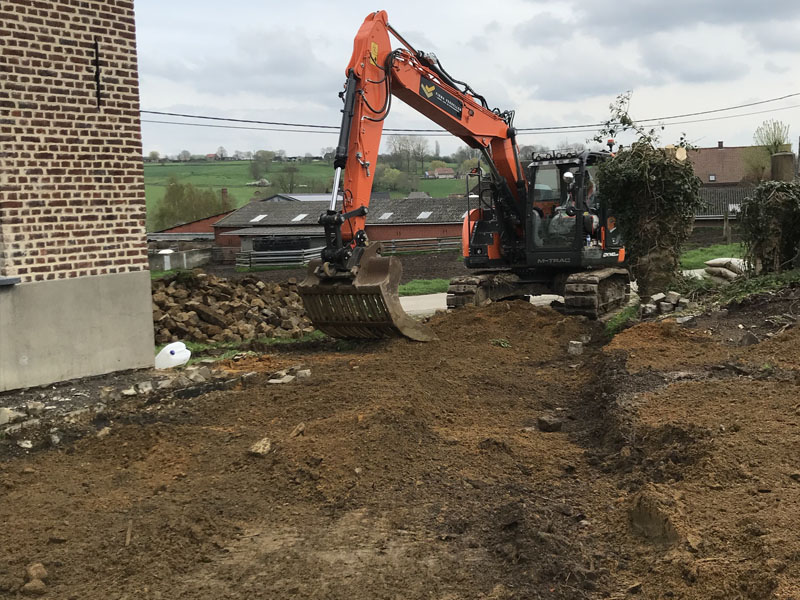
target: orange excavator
<point>536,229</point>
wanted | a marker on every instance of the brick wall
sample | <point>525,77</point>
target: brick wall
<point>72,198</point>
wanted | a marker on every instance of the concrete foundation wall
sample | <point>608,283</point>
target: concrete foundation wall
<point>59,330</point>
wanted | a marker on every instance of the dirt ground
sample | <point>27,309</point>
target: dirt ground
<point>427,471</point>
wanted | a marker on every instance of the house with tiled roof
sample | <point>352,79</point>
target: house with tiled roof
<point>444,173</point>
<point>728,165</point>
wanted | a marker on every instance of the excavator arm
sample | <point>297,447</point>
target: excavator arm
<point>352,291</point>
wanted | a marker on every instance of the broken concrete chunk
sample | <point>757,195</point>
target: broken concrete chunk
<point>656,298</point>
<point>261,447</point>
<point>196,377</point>
<point>684,320</point>
<point>299,430</point>
<point>103,432</point>
<point>665,307</point>
<point>748,339</point>
<point>575,348</point>
<point>144,387</point>
<point>284,379</point>
<point>672,297</point>
<point>35,408</point>
<point>129,392</point>
<point>549,423</point>
<point>303,373</point>
<point>8,415</point>
<point>201,370</point>
<point>648,310</point>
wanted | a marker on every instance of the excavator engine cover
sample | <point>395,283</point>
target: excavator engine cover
<point>361,303</point>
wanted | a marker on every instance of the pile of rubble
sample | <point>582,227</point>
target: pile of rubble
<point>196,306</point>
<point>666,303</point>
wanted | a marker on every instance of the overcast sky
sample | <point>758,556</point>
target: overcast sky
<point>554,62</point>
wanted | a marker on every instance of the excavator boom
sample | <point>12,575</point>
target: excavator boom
<point>352,291</point>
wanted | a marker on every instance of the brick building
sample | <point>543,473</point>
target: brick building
<point>74,285</point>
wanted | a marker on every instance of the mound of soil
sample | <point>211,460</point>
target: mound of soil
<point>487,464</point>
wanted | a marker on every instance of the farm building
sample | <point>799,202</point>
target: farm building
<point>74,285</point>
<point>294,227</point>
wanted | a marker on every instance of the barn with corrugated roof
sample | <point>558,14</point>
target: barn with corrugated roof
<point>293,227</point>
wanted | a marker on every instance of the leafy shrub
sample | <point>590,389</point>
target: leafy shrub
<point>770,225</point>
<point>654,196</point>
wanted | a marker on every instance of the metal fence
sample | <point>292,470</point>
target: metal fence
<point>421,245</point>
<point>276,258</point>
<point>718,201</point>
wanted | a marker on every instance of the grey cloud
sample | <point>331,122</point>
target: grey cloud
<point>776,36</point>
<point>274,63</point>
<point>577,77</point>
<point>675,62</point>
<point>775,68</point>
<point>632,18</point>
<point>543,30</point>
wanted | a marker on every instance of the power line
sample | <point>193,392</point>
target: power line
<point>658,119</point>
<point>438,133</point>
<point>433,132</point>
<point>334,127</point>
<point>759,112</point>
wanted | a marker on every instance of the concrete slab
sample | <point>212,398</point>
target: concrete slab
<point>68,328</point>
<point>422,306</point>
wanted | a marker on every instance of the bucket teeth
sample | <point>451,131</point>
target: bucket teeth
<point>364,306</point>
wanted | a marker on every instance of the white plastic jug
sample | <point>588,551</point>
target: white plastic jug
<point>173,355</point>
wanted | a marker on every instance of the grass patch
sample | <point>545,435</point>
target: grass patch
<point>622,320</point>
<point>418,287</point>
<point>696,259</point>
<point>159,274</point>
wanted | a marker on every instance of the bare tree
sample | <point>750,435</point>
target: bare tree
<point>772,135</point>
<point>419,149</point>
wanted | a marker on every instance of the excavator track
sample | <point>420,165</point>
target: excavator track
<point>596,293</point>
<point>590,293</point>
<point>480,288</point>
<point>465,291</point>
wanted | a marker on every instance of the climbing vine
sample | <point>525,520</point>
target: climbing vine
<point>770,226</point>
<point>654,194</point>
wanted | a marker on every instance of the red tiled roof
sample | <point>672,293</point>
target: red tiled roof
<point>726,164</point>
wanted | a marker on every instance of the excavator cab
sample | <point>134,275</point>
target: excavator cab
<point>567,216</point>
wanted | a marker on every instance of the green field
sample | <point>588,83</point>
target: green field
<point>314,177</point>
<point>232,175</point>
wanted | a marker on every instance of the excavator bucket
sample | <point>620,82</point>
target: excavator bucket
<point>363,303</point>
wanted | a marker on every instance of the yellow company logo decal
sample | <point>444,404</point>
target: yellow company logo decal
<point>373,53</point>
<point>428,89</point>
